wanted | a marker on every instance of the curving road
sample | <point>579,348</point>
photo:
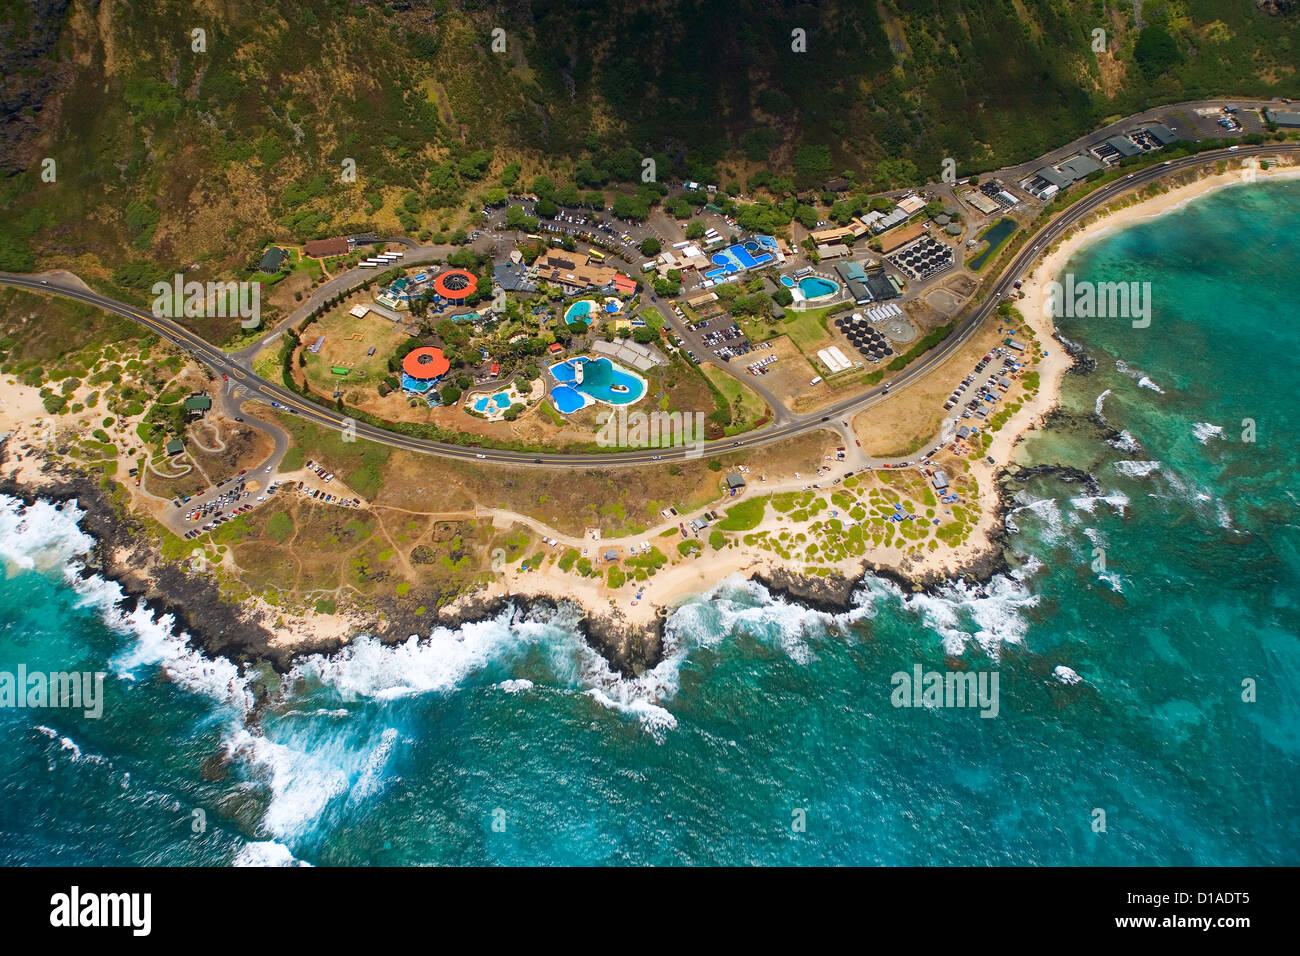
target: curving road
<point>256,387</point>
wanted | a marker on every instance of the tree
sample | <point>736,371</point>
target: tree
<point>896,172</point>
<point>694,229</point>
<point>650,246</point>
<point>449,394</point>
<point>543,186</point>
<point>1155,52</point>
<point>679,208</point>
<point>475,165</point>
<point>545,208</point>
<point>515,219</point>
<point>631,207</point>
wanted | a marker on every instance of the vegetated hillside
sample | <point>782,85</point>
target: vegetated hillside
<point>167,156</point>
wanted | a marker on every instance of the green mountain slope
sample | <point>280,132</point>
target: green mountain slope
<point>167,155</point>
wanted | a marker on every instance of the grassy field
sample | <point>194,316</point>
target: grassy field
<point>347,340</point>
<point>746,406</point>
<point>901,424</point>
<point>808,330</point>
<point>568,499</point>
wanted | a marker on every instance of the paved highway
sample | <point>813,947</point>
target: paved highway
<point>295,403</point>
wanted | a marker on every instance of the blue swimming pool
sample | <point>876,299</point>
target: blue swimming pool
<point>787,282</point>
<point>739,257</point>
<point>567,398</point>
<point>485,404</point>
<point>580,311</point>
<point>815,287</point>
<point>601,380</point>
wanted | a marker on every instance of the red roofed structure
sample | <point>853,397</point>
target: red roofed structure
<point>425,363</point>
<point>455,284</point>
<point>324,248</point>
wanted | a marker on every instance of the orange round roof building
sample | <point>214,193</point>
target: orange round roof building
<point>455,284</point>
<point>426,362</point>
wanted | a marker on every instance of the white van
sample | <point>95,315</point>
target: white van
<point>816,381</point>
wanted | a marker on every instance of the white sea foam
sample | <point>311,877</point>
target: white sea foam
<point>1117,500</point>
<point>1136,469</point>
<point>437,664</point>
<point>301,781</point>
<point>1048,510</point>
<point>373,778</point>
<point>1139,376</point>
<point>41,537</point>
<point>443,661</point>
<point>1066,675</point>
<point>1097,405</point>
<point>266,853</point>
<point>654,718</point>
<point>1204,432</point>
<point>1125,441</point>
<point>158,643</point>
<point>989,614</point>
<point>307,771</point>
<point>69,747</point>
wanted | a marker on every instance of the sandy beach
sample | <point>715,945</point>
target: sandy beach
<point>1053,366</point>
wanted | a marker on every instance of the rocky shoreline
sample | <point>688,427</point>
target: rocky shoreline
<point>242,634</point>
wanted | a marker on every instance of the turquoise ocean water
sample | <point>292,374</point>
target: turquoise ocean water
<point>510,742</point>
